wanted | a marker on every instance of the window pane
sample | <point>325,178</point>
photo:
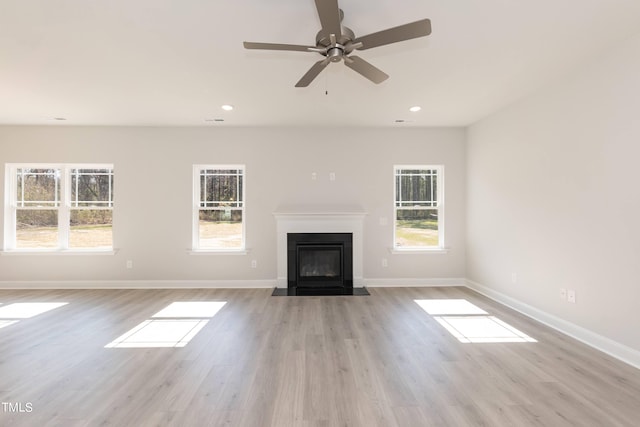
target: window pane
<point>221,171</point>
<point>36,228</point>
<point>221,188</point>
<point>91,229</point>
<point>417,228</point>
<point>417,188</point>
<point>38,187</point>
<point>91,187</point>
<point>203,190</point>
<point>220,229</point>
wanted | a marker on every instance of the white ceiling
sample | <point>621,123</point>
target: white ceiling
<point>175,62</point>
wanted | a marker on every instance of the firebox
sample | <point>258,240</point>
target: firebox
<point>320,263</point>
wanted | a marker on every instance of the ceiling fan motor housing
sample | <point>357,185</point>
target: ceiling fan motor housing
<point>343,45</point>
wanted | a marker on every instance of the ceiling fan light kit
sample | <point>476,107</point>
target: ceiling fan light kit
<point>336,43</point>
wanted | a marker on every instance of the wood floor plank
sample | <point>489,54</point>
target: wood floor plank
<point>330,361</point>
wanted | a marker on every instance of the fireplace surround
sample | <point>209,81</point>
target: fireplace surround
<point>316,278</point>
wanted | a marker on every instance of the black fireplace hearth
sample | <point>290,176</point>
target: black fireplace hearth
<point>300,292</point>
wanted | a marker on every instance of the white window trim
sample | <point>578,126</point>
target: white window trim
<point>195,220</point>
<point>419,251</point>
<point>64,210</point>
<point>440,249</point>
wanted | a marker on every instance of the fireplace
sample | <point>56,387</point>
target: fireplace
<point>324,227</point>
<point>320,263</point>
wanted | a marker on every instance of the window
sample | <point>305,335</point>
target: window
<point>418,207</point>
<point>219,208</point>
<point>59,207</point>
<point>91,215</point>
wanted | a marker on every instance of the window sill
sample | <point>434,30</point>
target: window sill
<point>418,251</point>
<point>217,252</point>
<point>19,252</point>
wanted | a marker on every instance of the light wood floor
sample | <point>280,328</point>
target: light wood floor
<point>369,361</point>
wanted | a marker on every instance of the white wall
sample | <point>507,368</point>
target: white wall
<point>152,218</point>
<point>554,196</point>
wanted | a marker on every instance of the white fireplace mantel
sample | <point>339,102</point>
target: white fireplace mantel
<point>320,219</point>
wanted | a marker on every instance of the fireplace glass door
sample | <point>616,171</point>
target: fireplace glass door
<point>320,261</point>
<point>319,265</point>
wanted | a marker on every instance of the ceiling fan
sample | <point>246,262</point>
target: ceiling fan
<point>336,42</point>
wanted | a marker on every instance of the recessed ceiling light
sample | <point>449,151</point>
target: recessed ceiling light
<point>415,109</point>
<point>227,107</point>
<point>60,119</point>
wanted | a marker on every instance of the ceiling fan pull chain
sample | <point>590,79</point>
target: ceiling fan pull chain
<point>326,84</point>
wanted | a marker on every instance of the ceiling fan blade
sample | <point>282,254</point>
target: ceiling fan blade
<point>277,46</point>
<point>312,73</point>
<point>329,14</point>
<point>361,66</point>
<point>396,34</point>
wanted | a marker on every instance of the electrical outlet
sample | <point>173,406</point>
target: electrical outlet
<point>514,277</point>
<point>314,176</point>
<point>571,296</point>
<point>385,263</point>
<point>332,176</point>
<point>563,293</point>
<point>129,263</point>
<point>254,263</point>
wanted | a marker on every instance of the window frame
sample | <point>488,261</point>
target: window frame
<point>63,206</point>
<point>439,207</point>
<point>195,230</point>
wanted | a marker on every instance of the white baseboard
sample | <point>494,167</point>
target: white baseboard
<point>185,284</point>
<point>407,283</point>
<point>137,284</point>
<point>612,348</point>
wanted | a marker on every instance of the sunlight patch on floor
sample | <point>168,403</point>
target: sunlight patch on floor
<point>25,310</point>
<point>190,309</point>
<point>159,333</point>
<point>437,307</point>
<point>482,329</point>
<point>13,313</point>
<point>471,324</point>
<point>173,326</point>
<point>4,323</point>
